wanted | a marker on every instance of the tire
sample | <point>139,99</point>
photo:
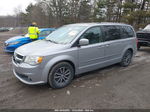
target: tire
<point>61,75</point>
<point>127,58</point>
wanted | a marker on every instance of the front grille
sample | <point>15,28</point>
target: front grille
<point>143,35</point>
<point>18,58</point>
<point>24,77</point>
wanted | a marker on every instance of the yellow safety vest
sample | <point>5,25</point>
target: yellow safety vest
<point>33,32</point>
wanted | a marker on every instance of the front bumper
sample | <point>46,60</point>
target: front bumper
<point>144,43</point>
<point>9,48</point>
<point>31,75</point>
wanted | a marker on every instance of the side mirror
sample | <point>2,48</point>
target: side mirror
<point>83,42</point>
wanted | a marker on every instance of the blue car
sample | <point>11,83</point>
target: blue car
<point>15,42</point>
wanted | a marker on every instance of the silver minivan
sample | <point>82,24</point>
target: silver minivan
<point>74,49</point>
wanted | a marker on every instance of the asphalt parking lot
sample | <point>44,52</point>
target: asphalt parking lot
<point>111,87</point>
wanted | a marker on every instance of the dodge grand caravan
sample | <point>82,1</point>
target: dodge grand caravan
<point>74,49</point>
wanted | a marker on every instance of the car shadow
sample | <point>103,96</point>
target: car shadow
<point>6,53</point>
<point>99,71</point>
<point>145,49</point>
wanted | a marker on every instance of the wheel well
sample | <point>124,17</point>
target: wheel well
<point>71,63</point>
<point>131,50</point>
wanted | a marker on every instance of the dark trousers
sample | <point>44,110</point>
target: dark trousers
<point>34,39</point>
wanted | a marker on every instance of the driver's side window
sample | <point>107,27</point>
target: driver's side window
<point>93,35</point>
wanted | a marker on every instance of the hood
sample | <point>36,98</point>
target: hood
<point>144,31</point>
<point>16,38</point>
<point>40,48</point>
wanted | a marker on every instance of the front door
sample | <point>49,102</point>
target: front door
<point>91,56</point>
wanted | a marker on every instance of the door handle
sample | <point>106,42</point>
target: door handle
<point>101,46</point>
<point>107,45</point>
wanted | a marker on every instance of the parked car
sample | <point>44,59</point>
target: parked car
<point>144,37</point>
<point>15,42</point>
<point>72,50</point>
<point>4,29</point>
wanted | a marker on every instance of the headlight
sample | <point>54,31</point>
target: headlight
<point>33,60</point>
<point>13,43</point>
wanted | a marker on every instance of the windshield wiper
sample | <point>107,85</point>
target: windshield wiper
<point>52,41</point>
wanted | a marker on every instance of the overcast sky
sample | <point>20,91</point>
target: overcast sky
<point>7,6</point>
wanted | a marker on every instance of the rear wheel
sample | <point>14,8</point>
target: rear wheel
<point>127,58</point>
<point>61,75</point>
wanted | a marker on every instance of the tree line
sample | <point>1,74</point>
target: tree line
<point>54,13</point>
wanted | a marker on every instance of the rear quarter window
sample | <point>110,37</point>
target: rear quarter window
<point>127,32</point>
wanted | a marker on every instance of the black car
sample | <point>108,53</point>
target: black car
<point>144,37</point>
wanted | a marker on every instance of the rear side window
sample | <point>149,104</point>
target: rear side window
<point>111,33</point>
<point>127,32</point>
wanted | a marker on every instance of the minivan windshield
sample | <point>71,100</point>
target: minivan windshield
<point>65,34</point>
<point>147,27</point>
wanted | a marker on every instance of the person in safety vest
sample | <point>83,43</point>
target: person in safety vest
<point>33,31</point>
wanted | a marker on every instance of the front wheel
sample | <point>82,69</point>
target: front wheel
<point>127,58</point>
<point>61,75</point>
